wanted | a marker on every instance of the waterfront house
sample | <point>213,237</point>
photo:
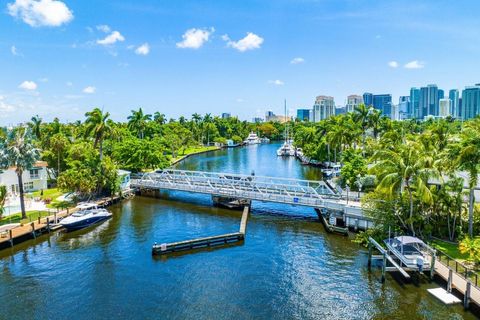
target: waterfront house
<point>34,179</point>
<point>124,177</point>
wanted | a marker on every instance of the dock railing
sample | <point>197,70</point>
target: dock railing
<point>468,273</point>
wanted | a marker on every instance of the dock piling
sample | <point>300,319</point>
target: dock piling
<point>449,282</point>
<point>48,224</point>
<point>369,263</point>
<point>33,230</point>
<point>11,237</point>
<point>384,266</point>
<point>466,297</point>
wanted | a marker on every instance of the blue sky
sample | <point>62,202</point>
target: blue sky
<point>62,58</point>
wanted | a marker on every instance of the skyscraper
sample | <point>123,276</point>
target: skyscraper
<point>404,109</point>
<point>415,103</point>
<point>353,101</point>
<point>471,102</point>
<point>383,102</point>
<point>368,99</point>
<point>226,115</point>
<point>428,101</point>
<point>303,114</point>
<point>444,108</point>
<point>323,108</point>
<point>453,95</point>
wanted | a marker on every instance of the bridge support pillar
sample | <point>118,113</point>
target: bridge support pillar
<point>231,202</point>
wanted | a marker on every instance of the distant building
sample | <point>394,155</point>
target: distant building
<point>257,120</point>
<point>383,102</point>
<point>340,110</point>
<point>429,99</point>
<point>415,103</point>
<point>272,117</point>
<point>353,101</point>
<point>404,109</point>
<point>33,179</point>
<point>269,114</point>
<point>323,108</point>
<point>226,115</point>
<point>395,112</point>
<point>471,102</point>
<point>444,108</point>
<point>368,99</point>
<point>454,96</point>
<point>303,114</point>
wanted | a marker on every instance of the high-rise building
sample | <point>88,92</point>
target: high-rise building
<point>471,102</point>
<point>353,101</point>
<point>368,99</point>
<point>340,110</point>
<point>453,95</point>
<point>269,114</point>
<point>323,108</point>
<point>429,101</point>
<point>441,94</point>
<point>404,110</point>
<point>257,120</point>
<point>303,114</point>
<point>383,102</point>
<point>226,115</point>
<point>444,107</point>
<point>415,103</point>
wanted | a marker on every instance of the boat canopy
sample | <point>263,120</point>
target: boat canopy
<point>86,205</point>
<point>409,240</point>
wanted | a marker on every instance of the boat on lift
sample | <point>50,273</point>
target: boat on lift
<point>88,214</point>
<point>252,139</point>
<point>412,252</point>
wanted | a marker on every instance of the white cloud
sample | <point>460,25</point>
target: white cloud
<point>103,28</point>
<point>297,60</point>
<point>393,64</point>
<point>250,42</point>
<point>5,107</point>
<point>111,39</point>
<point>14,51</point>
<point>195,38</point>
<point>38,13</point>
<point>143,50</point>
<point>89,90</point>
<point>28,85</point>
<point>276,82</point>
<point>415,64</point>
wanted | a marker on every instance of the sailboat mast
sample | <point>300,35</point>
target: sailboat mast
<point>286,123</point>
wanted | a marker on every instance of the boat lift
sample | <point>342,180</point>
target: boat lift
<point>395,260</point>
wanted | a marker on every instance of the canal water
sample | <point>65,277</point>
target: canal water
<point>287,268</point>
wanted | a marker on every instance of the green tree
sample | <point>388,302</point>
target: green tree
<point>137,122</point>
<point>97,126</point>
<point>36,126</point>
<point>18,151</point>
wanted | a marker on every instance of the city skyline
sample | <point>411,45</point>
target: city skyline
<point>64,58</point>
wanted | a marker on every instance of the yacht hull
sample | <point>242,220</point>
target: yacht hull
<point>77,225</point>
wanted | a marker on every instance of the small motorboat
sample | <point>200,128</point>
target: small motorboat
<point>88,214</point>
<point>286,150</point>
<point>411,251</point>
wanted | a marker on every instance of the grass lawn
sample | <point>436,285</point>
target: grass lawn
<point>191,150</point>
<point>52,194</point>
<point>450,249</point>
<point>16,218</point>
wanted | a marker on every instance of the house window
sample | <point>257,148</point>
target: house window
<point>28,186</point>
<point>34,174</point>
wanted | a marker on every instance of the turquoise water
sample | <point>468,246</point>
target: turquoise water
<point>287,268</point>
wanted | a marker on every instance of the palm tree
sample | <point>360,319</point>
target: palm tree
<point>18,151</point>
<point>97,126</point>
<point>35,125</point>
<point>159,118</point>
<point>138,121</point>
<point>406,167</point>
<point>466,155</point>
<point>374,120</point>
<point>361,116</point>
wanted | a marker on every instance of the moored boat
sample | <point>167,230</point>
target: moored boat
<point>88,214</point>
<point>252,139</point>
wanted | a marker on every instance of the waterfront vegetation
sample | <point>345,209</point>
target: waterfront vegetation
<point>408,170</point>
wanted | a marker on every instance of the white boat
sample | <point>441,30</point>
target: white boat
<point>88,214</point>
<point>265,140</point>
<point>411,251</point>
<point>287,149</point>
<point>252,139</point>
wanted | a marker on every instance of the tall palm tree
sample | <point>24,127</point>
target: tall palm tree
<point>374,120</point>
<point>18,151</point>
<point>35,125</point>
<point>97,125</point>
<point>138,121</point>
<point>406,167</point>
<point>466,155</point>
<point>361,116</point>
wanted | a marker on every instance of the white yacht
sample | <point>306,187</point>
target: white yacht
<point>411,251</point>
<point>87,215</point>
<point>287,149</point>
<point>252,139</point>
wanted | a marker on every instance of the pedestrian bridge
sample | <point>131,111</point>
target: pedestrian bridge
<point>315,194</point>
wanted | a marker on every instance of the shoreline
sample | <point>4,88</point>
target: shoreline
<point>176,161</point>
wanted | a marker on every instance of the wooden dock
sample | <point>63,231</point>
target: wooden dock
<point>33,229</point>
<point>198,243</point>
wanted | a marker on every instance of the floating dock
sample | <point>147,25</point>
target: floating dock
<point>220,240</point>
